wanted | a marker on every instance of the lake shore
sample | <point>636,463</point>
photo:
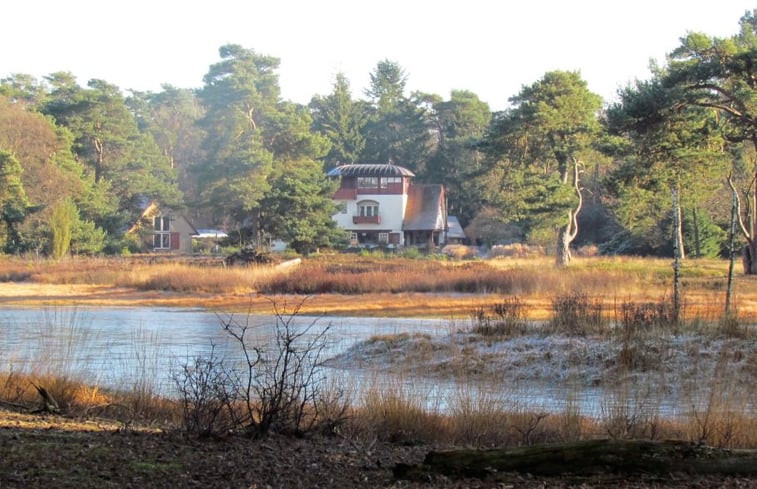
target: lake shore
<point>370,305</point>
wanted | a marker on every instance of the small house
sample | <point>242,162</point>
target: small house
<point>380,206</point>
<point>163,230</point>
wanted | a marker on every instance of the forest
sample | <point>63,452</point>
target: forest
<point>671,164</point>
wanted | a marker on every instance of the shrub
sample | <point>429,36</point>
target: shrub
<point>516,250</point>
<point>283,388</point>
<point>459,252</point>
<point>504,318</point>
<point>576,314</point>
<point>588,251</point>
<point>208,392</point>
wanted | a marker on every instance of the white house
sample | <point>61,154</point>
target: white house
<point>379,205</point>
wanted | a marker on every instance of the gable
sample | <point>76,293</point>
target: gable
<point>425,209</point>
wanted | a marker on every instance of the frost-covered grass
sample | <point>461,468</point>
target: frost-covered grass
<point>644,379</point>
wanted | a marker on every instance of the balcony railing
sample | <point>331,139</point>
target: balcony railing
<point>366,219</point>
<point>346,194</point>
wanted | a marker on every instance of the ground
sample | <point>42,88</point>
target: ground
<point>48,451</point>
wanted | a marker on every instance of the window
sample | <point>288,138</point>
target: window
<point>367,182</point>
<point>161,239</point>
<point>385,181</point>
<point>383,238</point>
<point>161,223</point>
<point>368,209</point>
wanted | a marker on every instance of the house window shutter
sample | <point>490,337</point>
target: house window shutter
<point>175,245</point>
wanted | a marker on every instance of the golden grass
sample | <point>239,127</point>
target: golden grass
<point>355,285</point>
<point>85,400</point>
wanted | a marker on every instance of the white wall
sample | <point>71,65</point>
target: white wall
<point>391,212</point>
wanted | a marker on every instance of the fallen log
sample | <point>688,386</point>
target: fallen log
<point>585,458</point>
<point>47,402</point>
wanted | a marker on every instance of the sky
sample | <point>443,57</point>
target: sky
<point>490,47</point>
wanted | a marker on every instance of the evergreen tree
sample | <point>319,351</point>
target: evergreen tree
<point>537,148</point>
<point>240,96</point>
<point>341,120</point>
<point>670,151</point>
<point>124,163</point>
<point>299,206</point>
<point>719,74</point>
<point>13,203</point>
<point>397,129</point>
<point>456,161</point>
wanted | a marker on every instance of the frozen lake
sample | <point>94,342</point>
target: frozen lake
<point>123,347</point>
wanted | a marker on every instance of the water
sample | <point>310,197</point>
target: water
<point>120,346</point>
<point>130,347</point>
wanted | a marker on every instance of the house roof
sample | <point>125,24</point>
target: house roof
<point>424,211</point>
<point>153,209</point>
<point>211,233</point>
<point>370,170</point>
<point>454,229</point>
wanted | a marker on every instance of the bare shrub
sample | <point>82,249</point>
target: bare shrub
<point>588,251</point>
<point>646,315</point>
<point>628,413</point>
<point>459,252</point>
<point>208,392</point>
<point>278,386</point>
<point>283,387</point>
<point>517,250</point>
<point>505,318</point>
<point>576,314</point>
<point>641,327</point>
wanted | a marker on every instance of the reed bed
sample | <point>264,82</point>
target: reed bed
<point>610,280</point>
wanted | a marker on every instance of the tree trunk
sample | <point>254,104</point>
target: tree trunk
<point>749,253</point>
<point>697,244</point>
<point>677,256</point>
<point>562,252</point>
<point>568,233</point>
<point>591,457</point>
<point>731,254</point>
<point>749,258</point>
<point>100,164</point>
<point>678,225</point>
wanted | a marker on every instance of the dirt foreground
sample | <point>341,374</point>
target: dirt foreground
<point>45,451</point>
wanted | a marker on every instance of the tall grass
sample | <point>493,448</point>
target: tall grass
<point>532,279</point>
<point>60,359</point>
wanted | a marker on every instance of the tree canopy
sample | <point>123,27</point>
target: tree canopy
<point>554,168</point>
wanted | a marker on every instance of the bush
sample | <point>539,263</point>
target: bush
<point>516,250</point>
<point>459,252</point>
<point>208,392</point>
<point>279,388</point>
<point>575,314</point>
<point>504,318</point>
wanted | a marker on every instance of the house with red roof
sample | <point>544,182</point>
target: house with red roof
<point>381,206</point>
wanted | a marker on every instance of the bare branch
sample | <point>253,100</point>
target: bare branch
<point>742,226</point>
